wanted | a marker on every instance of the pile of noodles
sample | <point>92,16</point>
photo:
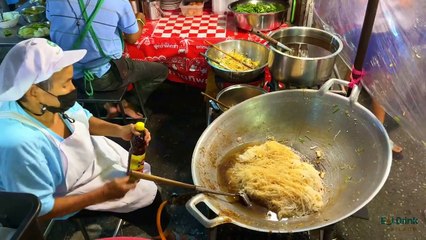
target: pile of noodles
<point>274,176</point>
<point>231,64</point>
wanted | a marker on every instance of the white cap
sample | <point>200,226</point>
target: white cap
<point>30,62</point>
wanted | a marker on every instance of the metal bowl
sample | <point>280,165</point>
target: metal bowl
<point>10,19</point>
<point>34,14</point>
<point>259,21</point>
<point>252,50</point>
<point>238,93</point>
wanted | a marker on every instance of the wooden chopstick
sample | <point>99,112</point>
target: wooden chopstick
<point>236,59</point>
<point>215,100</point>
<point>216,61</point>
<point>271,40</point>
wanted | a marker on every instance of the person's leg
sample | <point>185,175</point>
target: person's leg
<point>108,82</point>
<point>380,114</point>
<point>147,76</point>
<point>378,110</point>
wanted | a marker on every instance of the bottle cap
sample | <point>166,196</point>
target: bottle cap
<point>140,126</point>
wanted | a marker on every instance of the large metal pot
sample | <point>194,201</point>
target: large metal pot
<point>304,71</point>
<point>356,148</point>
<point>250,49</point>
<point>259,21</point>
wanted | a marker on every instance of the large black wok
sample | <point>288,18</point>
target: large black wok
<point>356,149</point>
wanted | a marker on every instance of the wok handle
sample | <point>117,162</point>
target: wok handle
<point>353,98</point>
<point>194,211</point>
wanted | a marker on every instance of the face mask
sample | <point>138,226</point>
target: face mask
<point>66,102</point>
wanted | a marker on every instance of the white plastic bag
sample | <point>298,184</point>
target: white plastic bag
<point>395,61</point>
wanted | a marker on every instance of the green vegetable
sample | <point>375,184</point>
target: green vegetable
<point>359,150</point>
<point>260,7</point>
<point>7,32</point>
<point>348,179</point>
<point>335,108</point>
<point>32,11</point>
<point>34,30</point>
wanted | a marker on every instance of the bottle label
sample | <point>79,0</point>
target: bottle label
<point>136,162</point>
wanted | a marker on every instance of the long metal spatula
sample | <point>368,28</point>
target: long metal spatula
<point>241,194</point>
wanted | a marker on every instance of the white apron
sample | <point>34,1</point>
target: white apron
<point>91,161</point>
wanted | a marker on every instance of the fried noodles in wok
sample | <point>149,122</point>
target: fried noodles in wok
<point>274,176</point>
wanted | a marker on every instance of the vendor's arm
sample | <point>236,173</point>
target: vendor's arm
<point>133,37</point>
<point>103,128</point>
<point>128,23</point>
<point>33,167</point>
<point>100,127</point>
<point>117,188</point>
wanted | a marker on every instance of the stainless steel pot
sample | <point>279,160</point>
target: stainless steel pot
<point>356,148</point>
<point>321,47</point>
<point>259,21</point>
<point>252,50</point>
<point>238,93</point>
<point>151,9</point>
<point>34,14</point>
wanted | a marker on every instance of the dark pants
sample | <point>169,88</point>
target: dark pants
<point>144,218</point>
<point>146,76</point>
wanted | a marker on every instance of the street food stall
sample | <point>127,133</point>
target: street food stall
<point>282,153</point>
<point>308,63</point>
<point>177,41</point>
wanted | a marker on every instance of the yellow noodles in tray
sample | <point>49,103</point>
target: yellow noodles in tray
<point>274,176</point>
<point>231,64</point>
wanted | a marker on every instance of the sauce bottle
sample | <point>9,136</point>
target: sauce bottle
<point>137,149</point>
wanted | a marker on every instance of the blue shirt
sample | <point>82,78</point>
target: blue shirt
<point>29,161</point>
<point>12,1</point>
<point>67,22</point>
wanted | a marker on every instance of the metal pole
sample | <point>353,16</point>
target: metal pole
<point>367,28</point>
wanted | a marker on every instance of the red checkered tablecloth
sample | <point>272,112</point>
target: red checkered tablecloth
<point>205,26</point>
<point>177,41</point>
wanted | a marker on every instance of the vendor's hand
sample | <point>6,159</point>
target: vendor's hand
<point>129,130</point>
<point>117,188</point>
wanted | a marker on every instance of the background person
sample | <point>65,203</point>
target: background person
<point>112,20</point>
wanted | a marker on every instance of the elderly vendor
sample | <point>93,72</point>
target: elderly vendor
<point>52,147</point>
